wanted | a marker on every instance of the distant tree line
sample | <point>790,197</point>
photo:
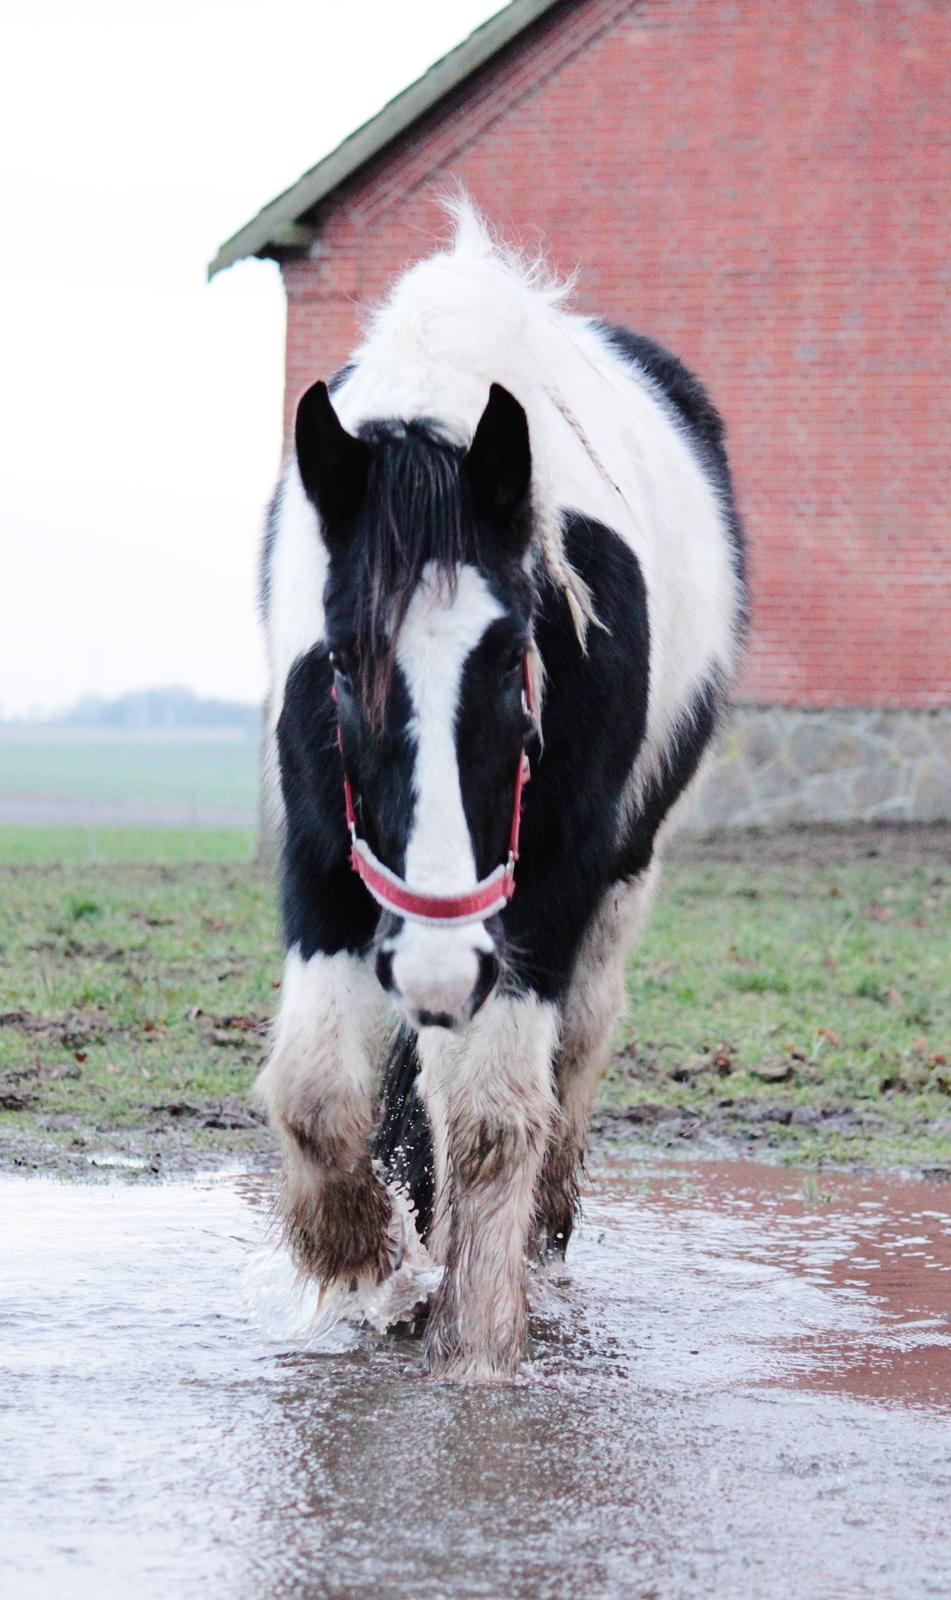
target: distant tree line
<point>171,707</point>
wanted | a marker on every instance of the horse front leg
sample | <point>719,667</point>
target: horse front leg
<point>317,1088</point>
<point>594,1000</point>
<point>493,1086</point>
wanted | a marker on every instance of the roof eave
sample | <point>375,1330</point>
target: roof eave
<point>278,228</point>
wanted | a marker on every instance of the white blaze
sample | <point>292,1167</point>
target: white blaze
<point>440,632</point>
<point>436,969</point>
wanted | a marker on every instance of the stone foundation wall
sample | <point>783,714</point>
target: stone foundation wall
<point>777,765</point>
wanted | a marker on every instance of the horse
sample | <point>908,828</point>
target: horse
<point>504,548</point>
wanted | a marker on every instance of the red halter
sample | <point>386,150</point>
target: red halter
<point>393,894</point>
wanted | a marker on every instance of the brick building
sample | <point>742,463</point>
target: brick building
<point>761,188</point>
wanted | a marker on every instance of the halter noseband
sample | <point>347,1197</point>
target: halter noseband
<point>440,910</point>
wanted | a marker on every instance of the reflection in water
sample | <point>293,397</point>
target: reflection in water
<point>734,1390</point>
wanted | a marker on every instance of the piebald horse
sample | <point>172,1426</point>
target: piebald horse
<point>505,549</point>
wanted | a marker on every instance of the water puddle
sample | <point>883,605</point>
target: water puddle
<point>740,1386</point>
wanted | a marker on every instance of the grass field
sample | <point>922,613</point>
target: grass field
<point>91,846</point>
<point>795,1003</point>
<point>803,1006</point>
<point>205,766</point>
<point>100,779</point>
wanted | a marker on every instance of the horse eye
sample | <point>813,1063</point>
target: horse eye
<point>514,662</point>
<point>342,663</point>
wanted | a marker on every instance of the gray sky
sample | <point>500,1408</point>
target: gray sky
<point>140,407</point>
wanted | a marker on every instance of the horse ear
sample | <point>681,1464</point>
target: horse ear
<point>499,462</point>
<point>333,464</point>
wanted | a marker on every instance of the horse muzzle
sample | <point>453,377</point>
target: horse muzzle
<point>438,977</point>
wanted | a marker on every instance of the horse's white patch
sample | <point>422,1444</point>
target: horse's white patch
<point>439,634</point>
<point>326,1036</point>
<point>436,969</point>
<point>492,1083</point>
<point>298,573</point>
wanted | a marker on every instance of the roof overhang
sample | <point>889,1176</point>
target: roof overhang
<point>280,227</point>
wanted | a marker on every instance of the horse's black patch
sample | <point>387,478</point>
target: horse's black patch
<point>680,385</point>
<point>403,1141</point>
<point>491,729</point>
<point>412,517</point>
<point>593,721</point>
<point>325,906</point>
<point>689,740</point>
<point>704,426</point>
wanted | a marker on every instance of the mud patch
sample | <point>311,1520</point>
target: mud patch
<point>178,1138</point>
<point>805,1115</point>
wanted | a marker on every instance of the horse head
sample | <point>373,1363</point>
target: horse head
<point>428,604</point>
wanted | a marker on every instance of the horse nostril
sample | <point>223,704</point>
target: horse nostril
<point>488,978</point>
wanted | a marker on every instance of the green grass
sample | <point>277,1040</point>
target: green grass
<point>205,768</point>
<point>832,984</point>
<point>134,999</point>
<point>91,846</point>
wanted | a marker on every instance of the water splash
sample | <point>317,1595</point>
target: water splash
<point>285,1305</point>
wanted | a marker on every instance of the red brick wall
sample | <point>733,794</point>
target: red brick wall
<point>759,186</point>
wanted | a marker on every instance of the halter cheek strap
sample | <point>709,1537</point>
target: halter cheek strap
<point>441,910</point>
